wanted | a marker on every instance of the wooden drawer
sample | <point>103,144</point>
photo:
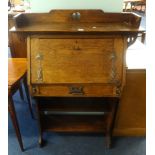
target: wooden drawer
<point>55,60</point>
<point>81,90</point>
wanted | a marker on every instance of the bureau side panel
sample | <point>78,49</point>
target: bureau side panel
<point>18,45</point>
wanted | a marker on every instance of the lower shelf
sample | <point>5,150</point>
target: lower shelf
<point>69,123</point>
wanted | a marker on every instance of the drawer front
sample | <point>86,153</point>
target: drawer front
<point>81,90</point>
<point>76,60</point>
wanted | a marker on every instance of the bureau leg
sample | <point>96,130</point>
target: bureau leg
<point>40,140</point>
<point>108,140</point>
<point>39,125</point>
<point>110,122</point>
<point>108,135</point>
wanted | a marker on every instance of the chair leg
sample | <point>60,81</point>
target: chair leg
<point>28,96</point>
<point>14,121</point>
<point>143,37</point>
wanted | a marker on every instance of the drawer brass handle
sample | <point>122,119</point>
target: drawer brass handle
<point>76,90</point>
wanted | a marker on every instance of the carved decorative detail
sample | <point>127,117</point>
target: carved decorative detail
<point>113,75</point>
<point>131,39</point>
<point>35,89</point>
<point>118,88</point>
<point>118,91</point>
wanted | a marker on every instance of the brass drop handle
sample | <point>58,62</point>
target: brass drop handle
<point>39,57</point>
<point>39,74</point>
<point>113,56</point>
<point>113,69</point>
<point>76,90</point>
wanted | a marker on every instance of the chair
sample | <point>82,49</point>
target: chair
<point>139,6</point>
<point>135,5</point>
<point>16,74</point>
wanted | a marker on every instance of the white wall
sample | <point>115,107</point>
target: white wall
<point>106,5</point>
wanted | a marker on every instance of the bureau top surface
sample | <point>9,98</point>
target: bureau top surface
<point>78,21</point>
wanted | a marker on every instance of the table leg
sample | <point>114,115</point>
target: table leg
<point>28,96</point>
<point>143,37</point>
<point>15,121</point>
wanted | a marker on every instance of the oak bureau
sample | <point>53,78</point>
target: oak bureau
<point>77,55</point>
